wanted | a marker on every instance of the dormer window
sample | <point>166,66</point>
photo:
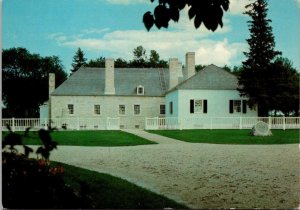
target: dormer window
<point>140,90</point>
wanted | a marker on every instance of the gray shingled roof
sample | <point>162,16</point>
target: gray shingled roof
<point>91,81</point>
<point>209,78</point>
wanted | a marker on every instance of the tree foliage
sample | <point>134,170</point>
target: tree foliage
<point>25,81</point>
<point>78,60</point>
<point>140,60</point>
<point>139,57</point>
<point>284,87</point>
<point>262,53</point>
<point>98,62</point>
<point>208,12</point>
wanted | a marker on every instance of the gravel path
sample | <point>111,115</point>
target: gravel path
<point>200,175</point>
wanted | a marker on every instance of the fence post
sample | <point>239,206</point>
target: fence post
<point>270,122</point>
<point>283,122</point>
<point>240,126</point>
<point>13,128</point>
<point>107,123</point>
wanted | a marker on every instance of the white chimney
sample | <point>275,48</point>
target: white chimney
<point>109,77</point>
<point>189,69</point>
<point>51,83</point>
<point>173,72</point>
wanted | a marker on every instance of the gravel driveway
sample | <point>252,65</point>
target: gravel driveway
<point>200,175</point>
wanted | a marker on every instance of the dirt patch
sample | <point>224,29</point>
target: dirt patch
<point>201,175</point>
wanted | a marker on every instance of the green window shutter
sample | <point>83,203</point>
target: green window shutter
<point>231,106</point>
<point>191,106</point>
<point>204,106</point>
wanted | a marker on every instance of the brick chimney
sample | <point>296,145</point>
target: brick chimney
<point>173,72</point>
<point>189,69</point>
<point>109,77</point>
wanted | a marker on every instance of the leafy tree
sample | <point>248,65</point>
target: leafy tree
<point>154,58</point>
<point>99,62</point>
<point>226,68</point>
<point>25,81</point>
<point>237,70</point>
<point>208,12</point>
<point>140,60</point>
<point>139,57</point>
<point>261,53</point>
<point>78,60</point>
<point>284,87</point>
<point>155,61</point>
<point>199,67</point>
<point>121,63</point>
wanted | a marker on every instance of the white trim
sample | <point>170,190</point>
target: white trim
<point>202,106</point>
<point>73,109</point>
<point>160,109</point>
<point>138,88</point>
<point>140,109</point>
<point>124,110</point>
<point>95,114</point>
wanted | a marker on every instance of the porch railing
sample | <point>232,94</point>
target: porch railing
<point>20,124</point>
<point>220,122</point>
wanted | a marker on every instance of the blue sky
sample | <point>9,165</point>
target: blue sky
<point>113,28</point>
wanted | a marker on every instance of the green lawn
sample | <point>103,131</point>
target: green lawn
<point>231,136</point>
<point>106,192</point>
<point>88,138</point>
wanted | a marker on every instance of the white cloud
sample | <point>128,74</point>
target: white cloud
<point>218,52</point>
<point>185,24</point>
<point>127,2</point>
<point>168,44</point>
<point>237,7</point>
<point>59,37</point>
<point>95,31</point>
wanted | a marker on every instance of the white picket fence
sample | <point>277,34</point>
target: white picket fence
<point>167,123</point>
<point>20,124</point>
<point>163,123</point>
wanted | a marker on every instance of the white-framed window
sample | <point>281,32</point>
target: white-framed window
<point>162,109</point>
<point>97,109</point>
<point>237,106</point>
<point>71,108</point>
<point>198,106</point>
<point>140,90</point>
<point>136,109</point>
<point>122,109</point>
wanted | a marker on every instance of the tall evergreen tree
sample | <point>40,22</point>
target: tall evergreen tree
<point>258,61</point>
<point>78,60</point>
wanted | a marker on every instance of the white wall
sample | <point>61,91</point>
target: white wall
<point>44,111</point>
<point>84,108</point>
<point>217,103</point>
<point>172,97</point>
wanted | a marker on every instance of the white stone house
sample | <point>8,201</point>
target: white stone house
<point>133,94</point>
<point>210,94</point>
